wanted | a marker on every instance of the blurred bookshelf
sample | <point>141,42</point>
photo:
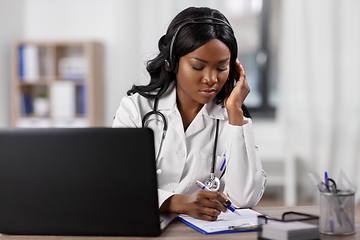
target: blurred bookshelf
<point>57,84</point>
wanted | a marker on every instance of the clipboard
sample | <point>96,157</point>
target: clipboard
<point>227,222</point>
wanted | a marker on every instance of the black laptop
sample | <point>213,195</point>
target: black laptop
<point>88,181</point>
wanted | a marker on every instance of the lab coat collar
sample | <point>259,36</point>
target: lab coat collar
<point>215,111</point>
<point>168,100</point>
<point>211,110</point>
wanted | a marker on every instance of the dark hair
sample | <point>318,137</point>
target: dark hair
<point>189,38</point>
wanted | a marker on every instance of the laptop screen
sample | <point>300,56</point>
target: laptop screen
<point>88,181</point>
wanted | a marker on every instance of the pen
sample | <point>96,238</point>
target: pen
<point>316,179</point>
<point>326,177</point>
<point>231,208</point>
<point>223,164</point>
<point>331,220</point>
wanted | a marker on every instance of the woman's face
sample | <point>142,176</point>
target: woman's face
<point>202,73</point>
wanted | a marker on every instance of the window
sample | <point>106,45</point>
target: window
<point>256,26</point>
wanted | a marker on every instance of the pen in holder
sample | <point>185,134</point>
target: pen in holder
<point>337,211</point>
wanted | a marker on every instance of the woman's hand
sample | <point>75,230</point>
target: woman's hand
<point>203,204</point>
<point>237,97</point>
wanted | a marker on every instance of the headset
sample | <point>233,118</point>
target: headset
<point>169,64</point>
<point>212,182</point>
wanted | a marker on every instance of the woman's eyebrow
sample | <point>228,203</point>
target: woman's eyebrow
<point>226,59</point>
<point>201,60</point>
<point>198,59</point>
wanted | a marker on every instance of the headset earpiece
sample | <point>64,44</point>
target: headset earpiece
<point>167,65</point>
<point>169,68</point>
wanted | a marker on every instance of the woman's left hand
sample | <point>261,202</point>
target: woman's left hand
<point>237,97</point>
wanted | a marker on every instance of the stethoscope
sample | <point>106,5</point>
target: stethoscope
<point>212,182</point>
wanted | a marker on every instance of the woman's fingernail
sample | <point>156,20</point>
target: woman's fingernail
<point>228,203</point>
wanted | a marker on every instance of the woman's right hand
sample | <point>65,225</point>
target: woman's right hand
<point>237,96</point>
<point>203,204</point>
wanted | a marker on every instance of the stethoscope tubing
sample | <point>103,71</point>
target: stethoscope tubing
<point>215,146</point>
<point>165,127</point>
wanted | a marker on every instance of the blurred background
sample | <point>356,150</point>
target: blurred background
<point>301,59</point>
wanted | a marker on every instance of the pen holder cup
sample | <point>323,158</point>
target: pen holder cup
<point>337,212</point>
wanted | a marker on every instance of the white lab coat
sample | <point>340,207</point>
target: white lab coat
<point>187,156</point>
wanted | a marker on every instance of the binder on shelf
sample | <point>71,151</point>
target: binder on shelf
<point>63,99</point>
<point>28,63</point>
<point>26,104</point>
<point>21,62</point>
<point>81,100</point>
<point>292,225</point>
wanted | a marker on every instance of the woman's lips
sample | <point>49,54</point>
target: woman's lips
<point>208,92</point>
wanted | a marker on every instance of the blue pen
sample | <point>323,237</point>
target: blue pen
<point>231,208</point>
<point>326,177</point>
<point>223,164</point>
<point>331,220</point>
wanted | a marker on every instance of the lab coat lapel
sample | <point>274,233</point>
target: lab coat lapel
<point>176,122</point>
<point>209,111</point>
<point>196,125</point>
<point>215,111</point>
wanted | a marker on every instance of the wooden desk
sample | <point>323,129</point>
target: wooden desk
<point>178,230</point>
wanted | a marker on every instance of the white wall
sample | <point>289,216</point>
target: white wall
<point>11,28</point>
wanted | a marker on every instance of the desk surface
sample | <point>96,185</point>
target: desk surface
<point>178,230</point>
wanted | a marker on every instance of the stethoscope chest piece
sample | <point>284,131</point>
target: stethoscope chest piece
<point>213,183</point>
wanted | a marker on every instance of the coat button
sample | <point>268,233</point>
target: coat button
<point>181,153</point>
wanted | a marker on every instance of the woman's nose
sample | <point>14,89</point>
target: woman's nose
<point>210,78</point>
